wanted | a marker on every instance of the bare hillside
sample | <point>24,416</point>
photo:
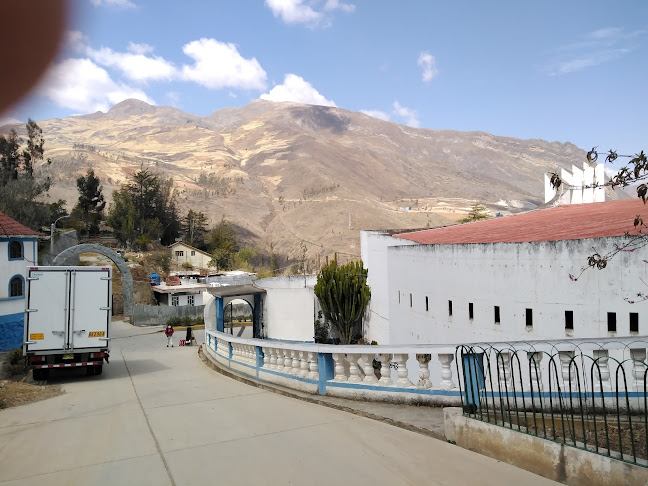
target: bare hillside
<point>287,173</point>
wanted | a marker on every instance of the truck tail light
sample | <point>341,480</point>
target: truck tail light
<point>36,359</point>
<point>97,355</point>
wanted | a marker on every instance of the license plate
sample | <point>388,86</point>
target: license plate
<point>37,336</point>
<point>96,333</point>
<point>68,356</point>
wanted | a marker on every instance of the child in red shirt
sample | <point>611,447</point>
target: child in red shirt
<point>168,332</point>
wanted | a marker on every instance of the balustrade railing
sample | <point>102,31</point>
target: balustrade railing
<point>411,373</point>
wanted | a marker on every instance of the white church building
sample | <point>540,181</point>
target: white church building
<point>508,279</point>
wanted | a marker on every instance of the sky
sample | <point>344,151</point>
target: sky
<point>560,71</point>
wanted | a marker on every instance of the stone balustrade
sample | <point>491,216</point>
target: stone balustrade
<point>386,373</point>
<point>434,374</point>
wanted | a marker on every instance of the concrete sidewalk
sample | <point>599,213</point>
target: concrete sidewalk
<point>421,419</point>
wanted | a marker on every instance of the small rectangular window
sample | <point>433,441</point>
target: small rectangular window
<point>470,311</point>
<point>529,317</point>
<point>497,315</point>
<point>190,300</point>
<point>611,321</point>
<point>410,300</point>
<point>427,308</point>
<point>449,307</point>
<point>193,253</point>
<point>175,300</point>
<point>634,322</point>
<point>179,253</point>
<point>569,319</point>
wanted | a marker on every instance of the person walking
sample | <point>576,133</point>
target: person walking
<point>168,332</point>
<point>189,337</point>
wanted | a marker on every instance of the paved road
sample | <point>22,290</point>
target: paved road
<point>158,416</point>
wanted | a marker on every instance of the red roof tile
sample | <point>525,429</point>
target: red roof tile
<point>571,222</point>
<point>11,227</point>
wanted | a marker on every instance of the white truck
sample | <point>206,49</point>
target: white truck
<point>67,318</point>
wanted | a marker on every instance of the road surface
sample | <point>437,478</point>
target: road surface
<point>158,416</point>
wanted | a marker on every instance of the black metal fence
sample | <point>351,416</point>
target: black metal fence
<point>589,395</point>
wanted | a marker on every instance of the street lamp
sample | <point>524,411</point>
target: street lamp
<point>52,230</point>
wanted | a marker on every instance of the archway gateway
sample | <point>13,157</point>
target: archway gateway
<point>127,278</point>
<point>214,310</point>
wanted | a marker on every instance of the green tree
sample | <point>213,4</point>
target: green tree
<point>20,190</point>
<point>223,244</point>
<point>343,295</point>
<point>35,147</point>
<point>156,215</point>
<point>221,259</point>
<point>194,228</point>
<point>122,217</point>
<point>91,201</point>
<point>477,212</point>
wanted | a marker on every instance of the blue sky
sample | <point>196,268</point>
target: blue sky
<point>561,71</point>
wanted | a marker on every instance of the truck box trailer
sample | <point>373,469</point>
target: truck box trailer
<point>67,318</point>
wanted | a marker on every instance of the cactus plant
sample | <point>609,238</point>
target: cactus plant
<point>343,294</point>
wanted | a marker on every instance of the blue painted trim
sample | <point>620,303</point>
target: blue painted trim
<point>416,391</point>
<point>27,238</point>
<point>22,249</point>
<point>259,358</point>
<point>23,288</point>
<point>243,364</point>
<point>292,377</point>
<point>326,368</point>
<point>220,327</point>
<point>564,395</point>
<point>12,298</point>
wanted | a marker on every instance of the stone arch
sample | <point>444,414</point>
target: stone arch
<point>127,278</point>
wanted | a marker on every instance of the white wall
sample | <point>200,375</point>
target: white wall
<point>289,307</point>
<point>165,299</point>
<point>374,245</point>
<point>199,260</point>
<point>514,276</point>
<point>10,268</point>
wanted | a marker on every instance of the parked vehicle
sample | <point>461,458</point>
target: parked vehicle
<point>67,318</point>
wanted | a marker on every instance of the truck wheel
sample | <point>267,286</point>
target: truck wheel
<point>98,369</point>
<point>90,370</point>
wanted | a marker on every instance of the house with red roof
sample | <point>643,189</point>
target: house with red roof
<point>510,278</point>
<point>18,250</point>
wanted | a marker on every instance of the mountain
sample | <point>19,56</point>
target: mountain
<point>287,172</point>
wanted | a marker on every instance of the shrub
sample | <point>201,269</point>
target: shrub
<point>15,364</point>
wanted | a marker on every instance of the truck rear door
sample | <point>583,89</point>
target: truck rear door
<point>47,310</point>
<point>90,293</point>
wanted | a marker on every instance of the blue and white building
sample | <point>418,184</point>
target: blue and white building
<point>18,250</point>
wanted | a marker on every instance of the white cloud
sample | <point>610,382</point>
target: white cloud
<point>337,5</point>
<point>594,48</point>
<point>219,65</point>
<point>380,115</point>
<point>295,88</point>
<point>74,40</point>
<point>302,12</point>
<point>113,3</point>
<point>293,11</point>
<point>428,63</point>
<point>81,85</point>
<point>408,115</point>
<point>136,48</point>
<point>137,67</point>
